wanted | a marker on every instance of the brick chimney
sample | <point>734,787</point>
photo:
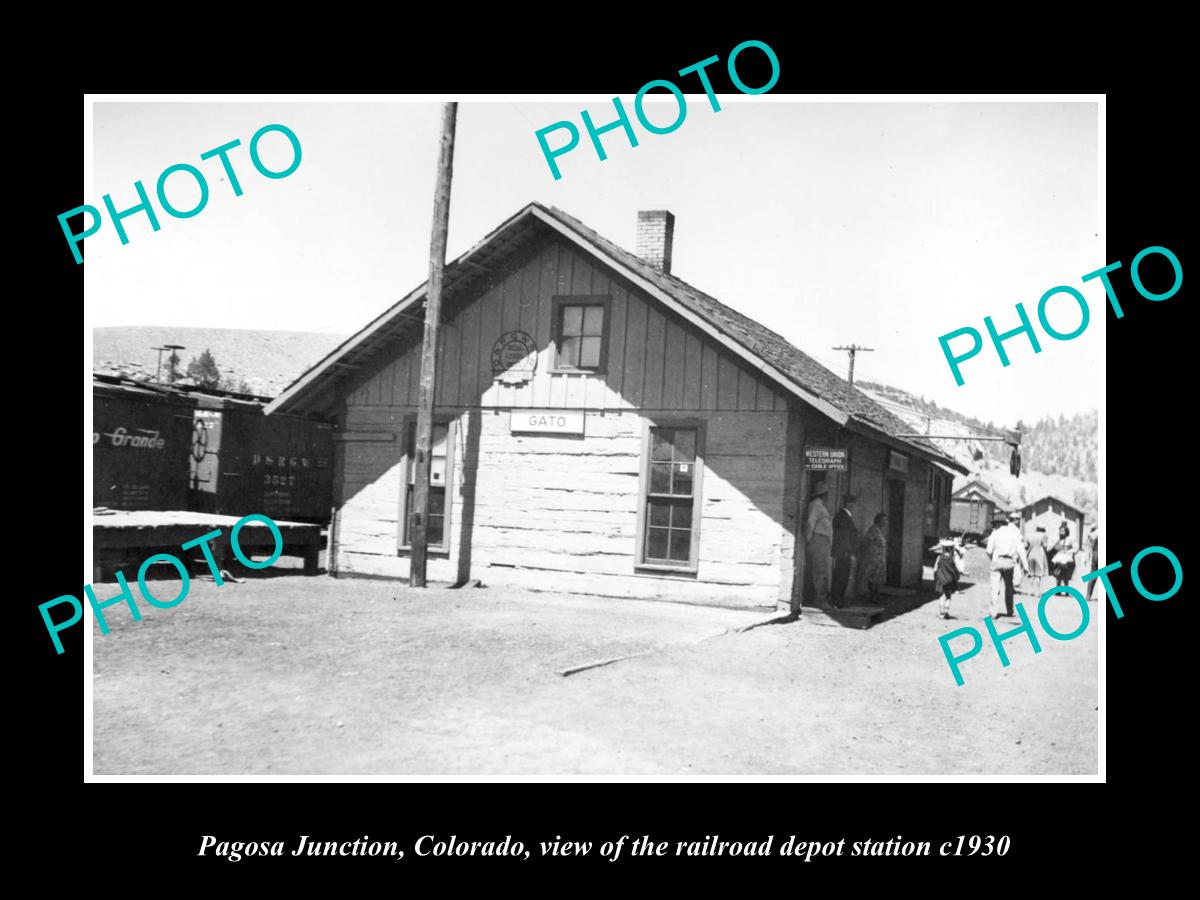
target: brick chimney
<point>655,232</point>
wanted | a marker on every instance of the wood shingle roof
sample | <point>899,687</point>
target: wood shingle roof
<point>768,352</point>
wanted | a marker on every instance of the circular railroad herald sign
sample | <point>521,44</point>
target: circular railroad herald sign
<point>514,358</point>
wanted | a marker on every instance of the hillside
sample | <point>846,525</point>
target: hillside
<point>258,362</point>
<point>1058,455</point>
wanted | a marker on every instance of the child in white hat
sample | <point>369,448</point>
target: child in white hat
<point>946,572</point>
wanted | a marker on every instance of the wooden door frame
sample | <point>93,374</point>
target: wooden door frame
<point>890,479</point>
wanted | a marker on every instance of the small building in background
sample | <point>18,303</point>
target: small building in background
<point>1049,513</point>
<point>973,506</point>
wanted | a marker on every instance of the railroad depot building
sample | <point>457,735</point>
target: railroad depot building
<point>605,428</point>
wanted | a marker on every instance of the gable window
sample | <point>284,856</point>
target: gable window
<point>669,518</point>
<point>580,333</point>
<point>440,476</point>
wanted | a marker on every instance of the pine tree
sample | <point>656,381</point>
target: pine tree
<point>204,371</point>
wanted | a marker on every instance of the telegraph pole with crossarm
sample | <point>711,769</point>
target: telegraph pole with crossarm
<point>852,349</point>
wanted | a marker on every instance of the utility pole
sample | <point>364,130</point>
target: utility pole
<point>433,314</point>
<point>852,349</point>
<point>172,348</point>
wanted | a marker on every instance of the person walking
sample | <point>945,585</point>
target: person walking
<point>1007,551</point>
<point>946,572</point>
<point>1093,557</point>
<point>845,546</point>
<point>872,553</point>
<point>1038,565</point>
<point>1062,557</point>
<point>818,541</point>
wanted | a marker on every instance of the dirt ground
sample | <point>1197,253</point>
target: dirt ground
<point>295,675</point>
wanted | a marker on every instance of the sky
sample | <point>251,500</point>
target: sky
<point>886,225</point>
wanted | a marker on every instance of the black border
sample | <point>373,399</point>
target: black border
<point>1148,410</point>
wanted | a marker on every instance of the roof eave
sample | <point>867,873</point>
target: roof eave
<point>883,437</point>
<point>294,392</point>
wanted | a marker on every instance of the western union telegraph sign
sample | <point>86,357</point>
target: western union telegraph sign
<point>832,459</point>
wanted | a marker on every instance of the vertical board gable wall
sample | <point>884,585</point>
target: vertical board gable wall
<point>565,507</point>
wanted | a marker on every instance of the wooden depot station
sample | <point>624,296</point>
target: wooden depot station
<point>603,427</point>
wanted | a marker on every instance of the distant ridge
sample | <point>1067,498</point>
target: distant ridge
<point>266,361</point>
<point>1058,455</point>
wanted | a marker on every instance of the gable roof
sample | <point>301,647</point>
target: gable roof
<point>758,346</point>
<point>1060,502</point>
<point>985,490</point>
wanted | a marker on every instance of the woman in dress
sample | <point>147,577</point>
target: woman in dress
<point>1062,557</point>
<point>873,553</point>
<point>1038,564</point>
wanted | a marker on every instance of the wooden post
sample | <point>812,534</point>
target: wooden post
<point>852,349</point>
<point>801,558</point>
<point>795,484</point>
<point>433,314</point>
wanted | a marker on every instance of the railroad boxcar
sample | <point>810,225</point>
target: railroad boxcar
<point>244,462</point>
<point>141,441</point>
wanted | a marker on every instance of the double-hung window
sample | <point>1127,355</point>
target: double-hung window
<point>437,529</point>
<point>580,333</point>
<point>671,483</point>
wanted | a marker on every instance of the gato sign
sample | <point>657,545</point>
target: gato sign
<point>546,421</point>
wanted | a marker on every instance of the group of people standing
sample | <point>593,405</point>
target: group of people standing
<point>1008,549</point>
<point>842,562</point>
<point>840,559</point>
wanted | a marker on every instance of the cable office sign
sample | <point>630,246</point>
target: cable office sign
<point>831,459</point>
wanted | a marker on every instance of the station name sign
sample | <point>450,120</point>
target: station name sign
<point>546,421</point>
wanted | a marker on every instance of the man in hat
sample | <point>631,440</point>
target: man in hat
<point>818,540</point>
<point>1007,551</point>
<point>845,543</point>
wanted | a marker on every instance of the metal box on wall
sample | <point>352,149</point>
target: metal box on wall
<point>141,438</point>
<point>244,462</point>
